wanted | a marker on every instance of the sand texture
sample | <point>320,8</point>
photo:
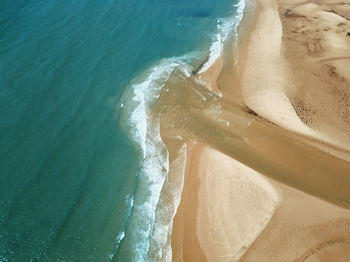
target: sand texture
<point>217,230</point>
<point>264,135</point>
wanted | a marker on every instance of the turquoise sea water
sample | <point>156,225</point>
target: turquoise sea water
<point>78,178</point>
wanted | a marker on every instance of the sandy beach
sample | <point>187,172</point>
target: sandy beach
<point>208,231</point>
<point>267,171</point>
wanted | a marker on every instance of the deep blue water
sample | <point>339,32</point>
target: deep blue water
<point>68,170</point>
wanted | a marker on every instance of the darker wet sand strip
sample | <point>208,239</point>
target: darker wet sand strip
<point>267,148</point>
<point>185,245</point>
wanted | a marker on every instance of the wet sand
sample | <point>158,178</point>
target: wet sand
<point>267,176</point>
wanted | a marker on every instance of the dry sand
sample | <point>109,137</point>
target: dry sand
<point>227,206</point>
<point>317,47</point>
<point>266,72</point>
<point>303,228</point>
<point>292,70</point>
<point>315,44</point>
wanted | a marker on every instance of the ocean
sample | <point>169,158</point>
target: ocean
<point>82,164</point>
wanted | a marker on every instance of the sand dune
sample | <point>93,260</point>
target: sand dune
<point>266,73</point>
<point>316,45</point>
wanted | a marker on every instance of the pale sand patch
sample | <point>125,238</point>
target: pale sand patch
<point>235,204</point>
<point>308,93</point>
<point>225,205</point>
<point>316,45</point>
<point>265,74</point>
<point>303,229</point>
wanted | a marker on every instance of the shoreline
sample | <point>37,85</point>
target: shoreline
<point>188,241</point>
<point>196,230</point>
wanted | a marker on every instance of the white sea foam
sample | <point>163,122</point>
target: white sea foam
<point>160,248</point>
<point>144,236</point>
<point>225,27</point>
<point>143,129</point>
<point>215,52</point>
